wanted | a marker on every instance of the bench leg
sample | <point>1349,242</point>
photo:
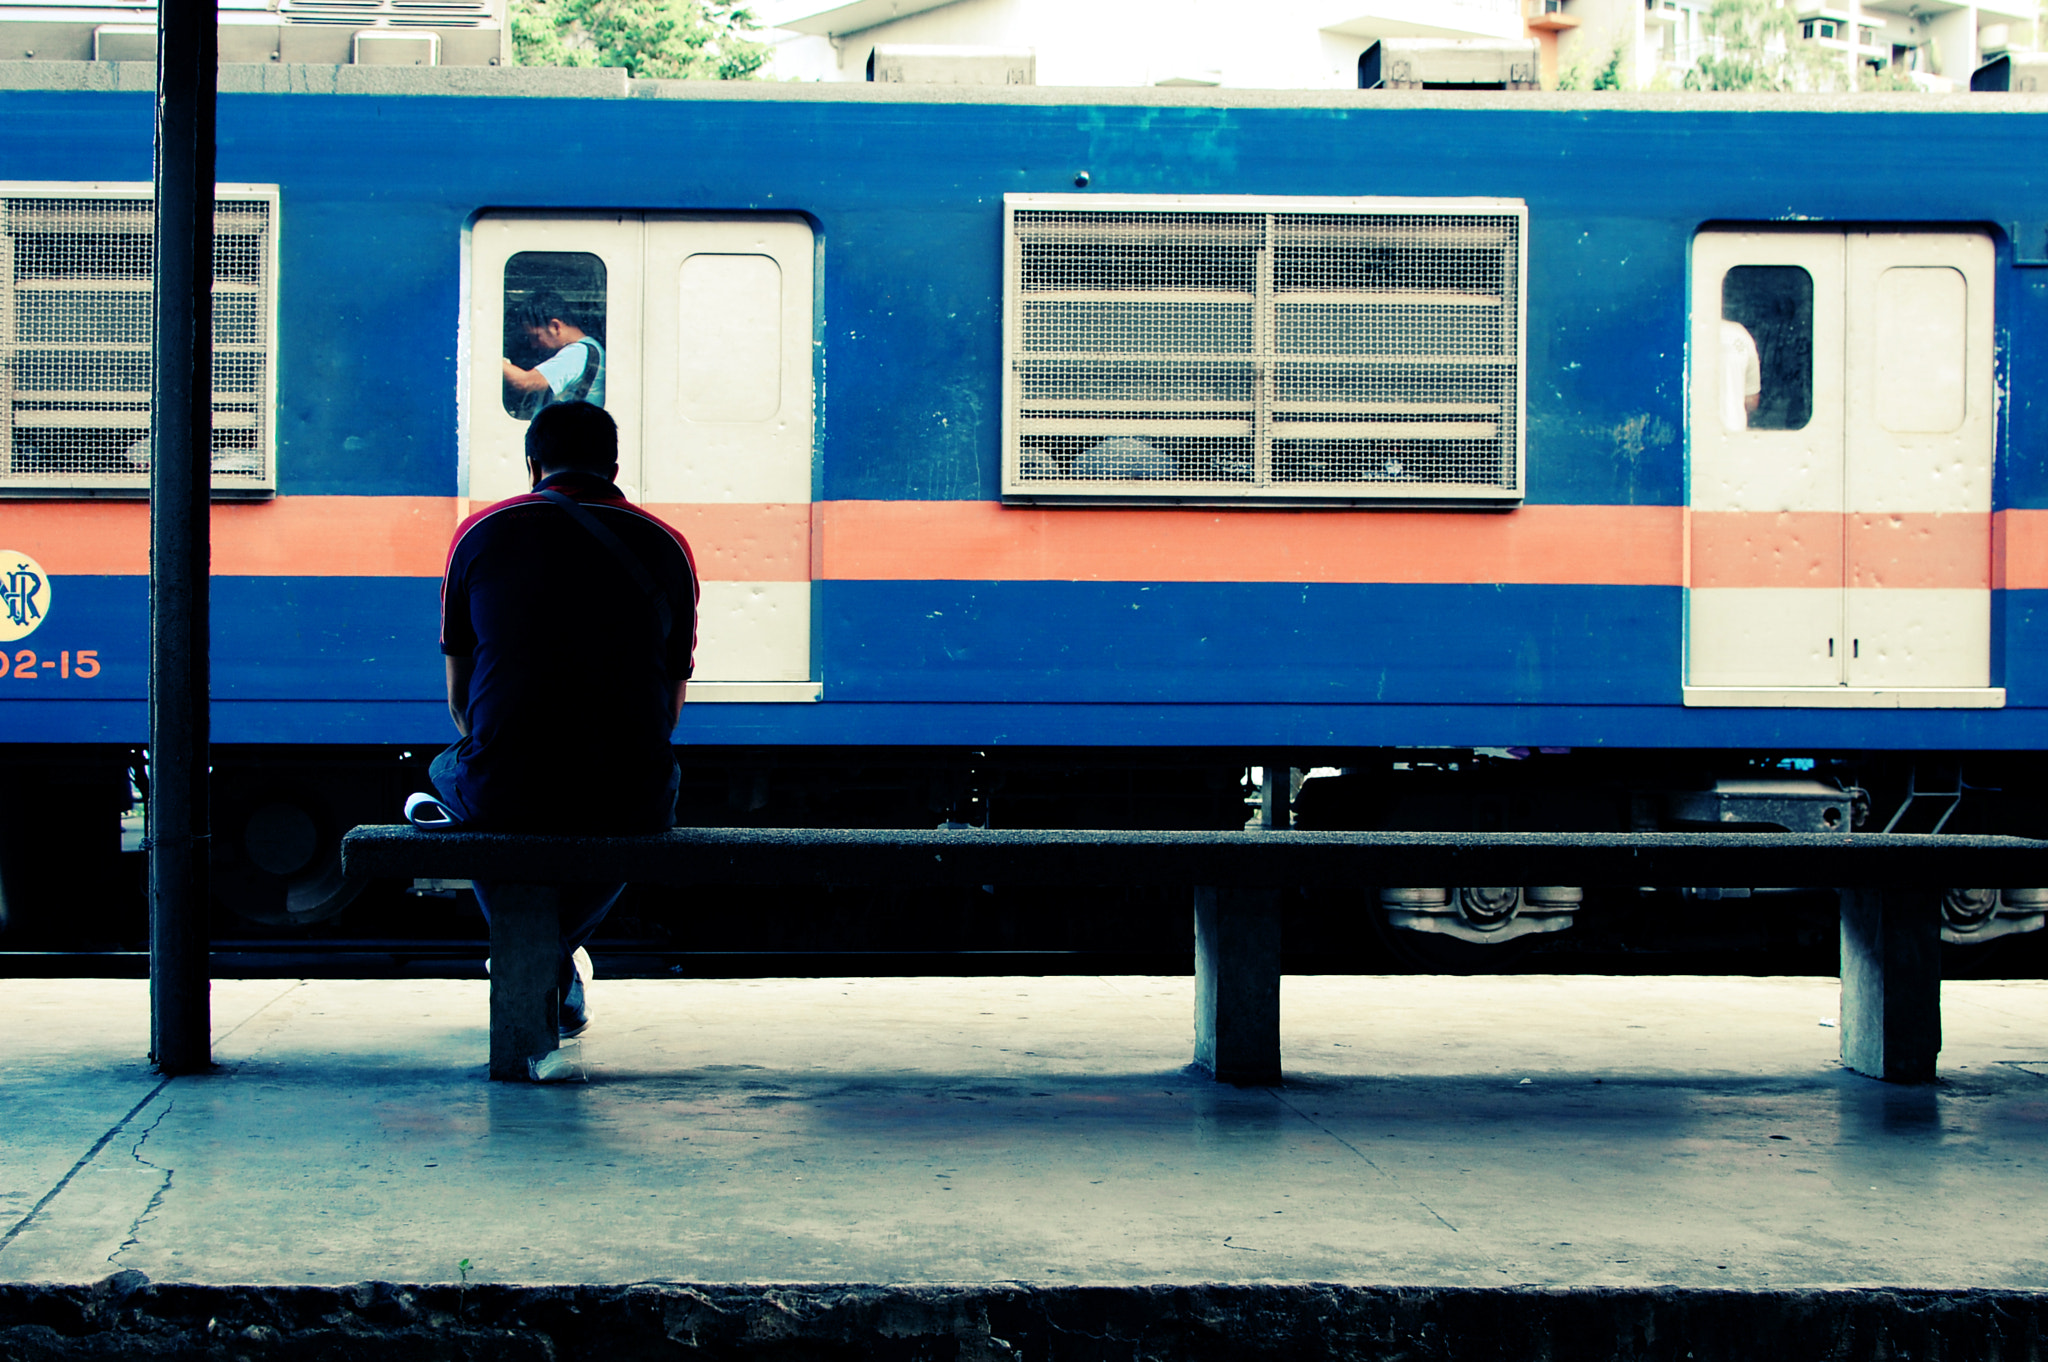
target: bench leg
<point>1891,983</point>
<point>1237,984</point>
<point>525,953</point>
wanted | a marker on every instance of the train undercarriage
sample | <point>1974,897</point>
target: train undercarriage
<point>72,852</point>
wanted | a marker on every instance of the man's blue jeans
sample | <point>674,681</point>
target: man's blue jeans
<point>583,906</point>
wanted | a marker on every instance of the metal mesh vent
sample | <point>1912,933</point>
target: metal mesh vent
<point>392,13</point>
<point>75,305</point>
<point>1370,352</point>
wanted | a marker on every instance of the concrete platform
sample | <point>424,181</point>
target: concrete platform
<point>953,1144</point>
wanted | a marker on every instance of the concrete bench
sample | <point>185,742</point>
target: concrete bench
<point>1891,965</point>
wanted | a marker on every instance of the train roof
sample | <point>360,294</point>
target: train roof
<point>524,82</point>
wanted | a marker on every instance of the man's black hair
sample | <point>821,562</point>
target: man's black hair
<point>573,435</point>
<point>547,306</point>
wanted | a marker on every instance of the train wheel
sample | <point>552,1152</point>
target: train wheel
<point>277,839</point>
<point>1434,953</point>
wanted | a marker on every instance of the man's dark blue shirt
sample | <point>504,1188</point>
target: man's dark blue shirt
<point>569,719</point>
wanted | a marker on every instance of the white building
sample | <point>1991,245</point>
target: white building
<point>1940,41</point>
<point>1940,38</point>
<point>1291,44</point>
<point>1315,44</point>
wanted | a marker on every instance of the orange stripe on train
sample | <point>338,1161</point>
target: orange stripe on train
<point>2019,557</point>
<point>371,537</point>
<point>1766,549</point>
<point>986,541</point>
<point>1810,549</point>
<point>321,536</point>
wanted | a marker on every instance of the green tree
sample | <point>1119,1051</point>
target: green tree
<point>652,39</point>
<point>1585,74</point>
<point>1752,44</point>
<point>1609,76</point>
<point>1756,47</point>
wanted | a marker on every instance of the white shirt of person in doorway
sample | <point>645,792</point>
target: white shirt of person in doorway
<point>1742,385</point>
<point>563,367</point>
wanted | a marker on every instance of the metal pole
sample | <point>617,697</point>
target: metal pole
<point>180,477</point>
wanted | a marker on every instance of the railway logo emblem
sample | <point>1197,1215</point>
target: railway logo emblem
<point>24,595</point>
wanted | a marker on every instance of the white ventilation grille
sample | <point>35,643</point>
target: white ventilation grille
<point>75,305</point>
<point>1263,350</point>
<point>393,13</point>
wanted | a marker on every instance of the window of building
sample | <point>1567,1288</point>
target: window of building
<point>75,338</point>
<point>1241,350</point>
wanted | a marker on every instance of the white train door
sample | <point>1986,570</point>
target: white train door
<point>703,328</point>
<point>727,430</point>
<point>587,266</point>
<point>1839,476</point>
<point>1917,535</point>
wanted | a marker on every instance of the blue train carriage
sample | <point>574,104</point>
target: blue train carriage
<point>1052,456</point>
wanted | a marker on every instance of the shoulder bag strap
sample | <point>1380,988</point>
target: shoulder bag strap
<point>635,569</point>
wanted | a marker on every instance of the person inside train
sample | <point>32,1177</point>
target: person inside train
<point>568,625</point>
<point>1742,383</point>
<point>574,368</point>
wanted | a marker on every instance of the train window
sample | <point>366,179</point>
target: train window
<point>1766,362</point>
<point>1266,351</point>
<point>75,338</point>
<point>730,371</point>
<point>1922,348</point>
<point>554,330</point>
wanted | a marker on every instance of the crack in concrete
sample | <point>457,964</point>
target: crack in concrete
<point>156,1199</point>
<point>102,1142</point>
<point>1365,1158</point>
<point>15,1230</point>
<point>262,1008</point>
<point>1122,993</point>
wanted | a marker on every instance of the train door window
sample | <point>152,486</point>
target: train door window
<point>1922,317</point>
<point>75,339</point>
<point>696,334</point>
<point>731,371</point>
<point>554,330</point>
<point>1766,352</point>
<point>1839,551</point>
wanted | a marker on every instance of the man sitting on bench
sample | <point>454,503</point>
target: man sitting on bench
<point>568,623</point>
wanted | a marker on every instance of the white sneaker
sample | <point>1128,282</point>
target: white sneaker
<point>427,811</point>
<point>575,1011</point>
